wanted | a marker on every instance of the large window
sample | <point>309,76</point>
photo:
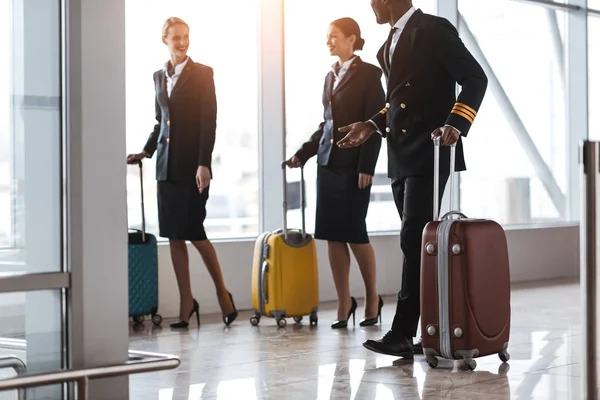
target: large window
<point>6,220</point>
<point>594,76</point>
<point>30,138</point>
<point>307,61</point>
<point>520,130</point>
<point>230,46</point>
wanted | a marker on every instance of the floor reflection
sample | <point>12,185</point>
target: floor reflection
<point>303,362</point>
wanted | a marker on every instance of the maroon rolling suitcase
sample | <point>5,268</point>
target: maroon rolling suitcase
<point>465,284</point>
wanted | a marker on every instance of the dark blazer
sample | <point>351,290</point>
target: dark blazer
<point>184,135</point>
<point>356,97</point>
<point>428,61</point>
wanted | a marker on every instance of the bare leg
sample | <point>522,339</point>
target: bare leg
<point>365,256</point>
<point>209,256</point>
<point>339,259</point>
<point>179,257</point>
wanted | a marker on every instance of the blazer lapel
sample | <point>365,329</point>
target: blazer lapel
<point>348,75</point>
<point>329,85</point>
<point>382,63</point>
<point>162,89</point>
<point>185,75</point>
<point>401,58</point>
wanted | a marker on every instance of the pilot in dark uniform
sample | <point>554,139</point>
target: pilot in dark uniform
<point>423,60</point>
<point>352,91</point>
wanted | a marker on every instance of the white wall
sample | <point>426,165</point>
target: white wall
<point>535,254</point>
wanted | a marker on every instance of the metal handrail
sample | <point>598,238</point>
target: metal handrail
<point>139,362</point>
<point>18,366</point>
<point>13,362</point>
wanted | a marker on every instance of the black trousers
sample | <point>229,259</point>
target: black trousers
<point>413,196</point>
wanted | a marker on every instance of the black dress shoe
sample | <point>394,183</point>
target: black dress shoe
<point>418,348</point>
<point>392,346</point>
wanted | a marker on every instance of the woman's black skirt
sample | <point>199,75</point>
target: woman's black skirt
<point>181,210</point>
<point>341,206</point>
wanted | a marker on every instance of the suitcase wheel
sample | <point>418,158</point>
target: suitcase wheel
<point>504,356</point>
<point>314,319</point>
<point>298,319</point>
<point>470,364</point>
<point>157,319</point>
<point>432,361</point>
<point>138,319</point>
<point>281,322</point>
<point>255,319</point>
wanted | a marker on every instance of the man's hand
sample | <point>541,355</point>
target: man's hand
<point>448,134</point>
<point>364,180</point>
<point>135,158</point>
<point>202,178</point>
<point>358,133</point>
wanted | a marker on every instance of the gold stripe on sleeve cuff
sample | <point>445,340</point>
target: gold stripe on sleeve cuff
<point>466,108</point>
<point>463,114</point>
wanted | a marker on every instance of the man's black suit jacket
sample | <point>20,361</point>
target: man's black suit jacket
<point>428,61</point>
<point>356,97</point>
<point>184,135</point>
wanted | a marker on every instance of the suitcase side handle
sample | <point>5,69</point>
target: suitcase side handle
<point>285,164</point>
<point>263,273</point>
<point>436,176</point>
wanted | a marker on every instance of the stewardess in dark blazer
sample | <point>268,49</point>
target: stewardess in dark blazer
<point>183,140</point>
<point>352,91</point>
<point>423,60</point>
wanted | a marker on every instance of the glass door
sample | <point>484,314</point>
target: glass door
<point>33,276</point>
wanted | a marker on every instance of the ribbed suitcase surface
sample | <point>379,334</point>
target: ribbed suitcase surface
<point>143,276</point>
<point>142,261</point>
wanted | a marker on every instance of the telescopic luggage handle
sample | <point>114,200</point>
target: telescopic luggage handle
<point>284,164</point>
<point>436,180</point>
<point>142,196</point>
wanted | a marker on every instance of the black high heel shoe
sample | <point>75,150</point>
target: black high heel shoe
<point>373,321</point>
<point>185,324</point>
<point>231,317</point>
<point>352,312</point>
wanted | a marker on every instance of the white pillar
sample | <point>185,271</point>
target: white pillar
<point>271,114</point>
<point>97,189</point>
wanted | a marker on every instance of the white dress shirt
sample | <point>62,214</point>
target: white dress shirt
<point>340,75</point>
<point>172,80</point>
<point>400,25</point>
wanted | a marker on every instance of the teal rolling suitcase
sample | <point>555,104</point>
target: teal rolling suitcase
<point>143,271</point>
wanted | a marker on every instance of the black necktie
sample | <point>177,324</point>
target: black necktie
<point>388,45</point>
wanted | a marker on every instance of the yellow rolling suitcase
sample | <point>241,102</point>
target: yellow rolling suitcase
<point>285,278</point>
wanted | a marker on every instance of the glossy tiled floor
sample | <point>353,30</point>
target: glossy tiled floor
<point>303,362</point>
